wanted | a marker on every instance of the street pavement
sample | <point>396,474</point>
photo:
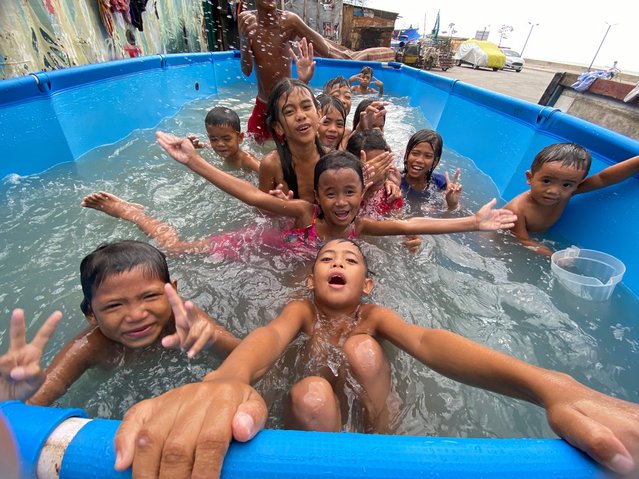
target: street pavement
<point>529,84</point>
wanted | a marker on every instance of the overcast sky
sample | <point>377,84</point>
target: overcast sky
<point>568,31</point>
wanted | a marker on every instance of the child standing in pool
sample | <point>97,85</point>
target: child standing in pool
<point>130,303</point>
<point>225,406</point>
<point>364,80</point>
<point>423,152</point>
<point>225,136</point>
<point>265,34</point>
<point>557,173</point>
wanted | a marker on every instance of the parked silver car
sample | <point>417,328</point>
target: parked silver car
<point>514,60</point>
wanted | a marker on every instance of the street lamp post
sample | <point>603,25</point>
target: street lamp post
<point>532,25</point>
<point>602,42</point>
<point>483,33</point>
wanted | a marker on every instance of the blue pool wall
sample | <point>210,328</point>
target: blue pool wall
<point>292,454</point>
<point>53,117</point>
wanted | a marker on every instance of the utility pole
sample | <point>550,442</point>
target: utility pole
<point>602,42</point>
<point>532,25</point>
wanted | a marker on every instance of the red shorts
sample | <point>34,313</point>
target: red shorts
<point>257,122</point>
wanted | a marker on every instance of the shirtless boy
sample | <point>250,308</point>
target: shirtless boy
<point>225,136</point>
<point>265,34</point>
<point>129,303</point>
<point>365,79</point>
<point>557,173</point>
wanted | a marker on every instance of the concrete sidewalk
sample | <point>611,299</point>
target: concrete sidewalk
<point>529,84</point>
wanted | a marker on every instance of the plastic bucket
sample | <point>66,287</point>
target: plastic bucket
<point>587,273</point>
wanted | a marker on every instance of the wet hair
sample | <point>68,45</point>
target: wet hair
<point>338,81</point>
<point>366,140</point>
<point>327,102</point>
<point>222,116</point>
<point>431,137</point>
<point>344,240</point>
<point>367,70</point>
<point>112,259</point>
<point>336,160</point>
<point>283,89</point>
<point>570,154</point>
<point>361,108</point>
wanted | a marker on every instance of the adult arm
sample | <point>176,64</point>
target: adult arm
<point>183,152</point>
<point>20,371</point>
<point>610,176</point>
<point>485,219</point>
<point>603,427</point>
<point>186,432</point>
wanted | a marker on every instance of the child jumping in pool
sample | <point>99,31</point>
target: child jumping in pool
<point>265,34</point>
<point>557,173</point>
<point>224,406</point>
<point>423,152</point>
<point>338,185</point>
<point>364,80</point>
<point>130,303</point>
<point>225,136</point>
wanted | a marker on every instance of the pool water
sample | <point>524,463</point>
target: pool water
<point>484,286</point>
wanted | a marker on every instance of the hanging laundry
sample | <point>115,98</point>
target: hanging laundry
<point>137,8</point>
<point>105,15</point>
<point>123,7</point>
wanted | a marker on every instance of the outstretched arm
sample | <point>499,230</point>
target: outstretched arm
<point>486,219</point>
<point>183,152</point>
<point>302,30</point>
<point>610,176</point>
<point>602,426</point>
<point>20,371</point>
<point>260,349</point>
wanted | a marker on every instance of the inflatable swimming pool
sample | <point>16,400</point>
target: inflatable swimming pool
<point>52,117</point>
